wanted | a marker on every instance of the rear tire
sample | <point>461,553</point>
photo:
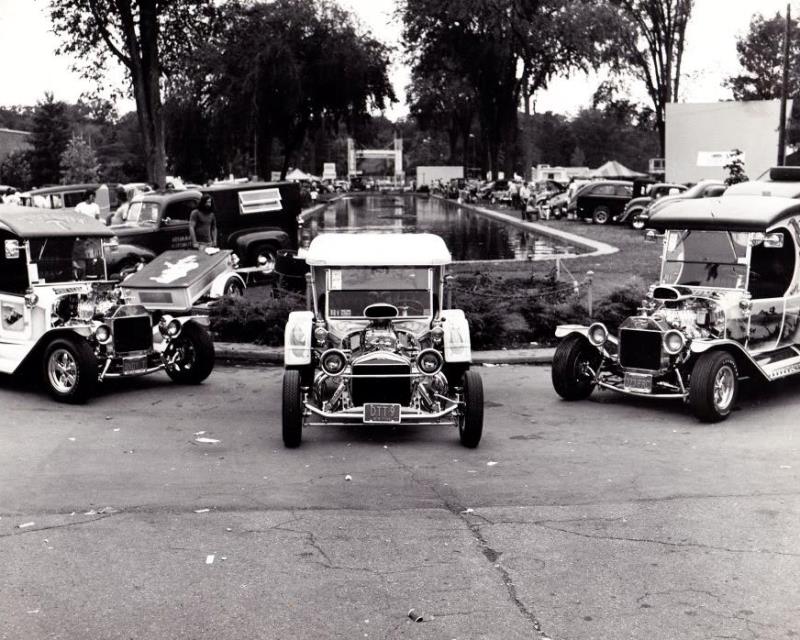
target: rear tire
<point>292,409</point>
<point>266,251</point>
<point>470,426</point>
<point>70,370</point>
<point>234,288</point>
<point>570,379</point>
<point>196,360</point>
<point>601,215</point>
<point>714,386</point>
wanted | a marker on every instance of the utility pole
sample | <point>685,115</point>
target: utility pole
<point>784,90</point>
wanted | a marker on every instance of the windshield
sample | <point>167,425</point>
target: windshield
<point>352,289</point>
<point>142,213</point>
<point>68,259</point>
<point>706,258</point>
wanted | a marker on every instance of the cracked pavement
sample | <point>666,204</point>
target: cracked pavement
<point>612,518</point>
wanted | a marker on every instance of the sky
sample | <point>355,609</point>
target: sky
<point>30,66</point>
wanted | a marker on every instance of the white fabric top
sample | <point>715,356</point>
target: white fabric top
<point>377,250</point>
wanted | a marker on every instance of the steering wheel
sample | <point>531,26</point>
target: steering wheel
<point>411,307</point>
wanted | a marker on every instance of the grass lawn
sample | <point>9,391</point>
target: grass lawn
<point>635,258</point>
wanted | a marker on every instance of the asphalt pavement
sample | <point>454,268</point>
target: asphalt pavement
<point>159,511</point>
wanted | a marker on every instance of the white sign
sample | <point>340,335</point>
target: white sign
<point>716,158</point>
<point>329,171</point>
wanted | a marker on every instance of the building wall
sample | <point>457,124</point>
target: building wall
<point>704,128</point>
<point>11,140</point>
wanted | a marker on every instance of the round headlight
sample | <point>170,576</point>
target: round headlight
<point>333,362</point>
<point>86,310</point>
<point>103,333</point>
<point>674,341</point>
<point>173,328</point>
<point>162,324</point>
<point>437,334</point>
<point>430,362</point>
<point>598,334</point>
<point>320,334</point>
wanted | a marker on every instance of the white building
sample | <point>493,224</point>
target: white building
<point>700,136</point>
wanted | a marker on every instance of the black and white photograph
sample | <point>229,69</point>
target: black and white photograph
<point>399,319</point>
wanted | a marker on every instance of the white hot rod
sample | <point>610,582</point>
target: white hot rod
<point>377,346</point>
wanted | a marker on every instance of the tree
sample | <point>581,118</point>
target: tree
<point>15,170</point>
<point>652,37</point>
<point>79,162</point>
<point>506,49</point>
<point>760,54</point>
<point>149,38</point>
<point>51,133</point>
<point>735,168</point>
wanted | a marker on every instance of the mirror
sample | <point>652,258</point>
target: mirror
<point>12,249</point>
<point>651,236</point>
<point>773,241</point>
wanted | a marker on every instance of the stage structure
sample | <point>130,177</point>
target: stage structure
<point>395,153</point>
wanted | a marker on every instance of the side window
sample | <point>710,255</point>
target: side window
<point>603,190</point>
<point>624,190</point>
<point>772,268</point>
<point>14,269</point>
<point>73,199</point>
<point>180,210</point>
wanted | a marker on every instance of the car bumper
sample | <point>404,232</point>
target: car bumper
<point>316,417</point>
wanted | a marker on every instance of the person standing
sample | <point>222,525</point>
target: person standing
<point>88,206</point>
<point>203,224</point>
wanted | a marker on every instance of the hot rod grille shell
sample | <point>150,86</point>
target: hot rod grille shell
<point>640,349</point>
<point>132,334</point>
<point>389,390</point>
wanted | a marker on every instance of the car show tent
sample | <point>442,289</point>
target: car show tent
<point>613,170</point>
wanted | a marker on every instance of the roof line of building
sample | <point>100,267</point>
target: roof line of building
<point>27,133</point>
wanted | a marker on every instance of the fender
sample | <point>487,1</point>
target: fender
<point>36,349</point>
<point>743,357</point>
<point>243,240</point>
<point>221,281</point>
<point>565,330</point>
<point>297,339</point>
<point>125,252</point>
<point>457,345</point>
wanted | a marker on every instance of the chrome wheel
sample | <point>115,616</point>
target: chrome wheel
<point>62,370</point>
<point>724,387</point>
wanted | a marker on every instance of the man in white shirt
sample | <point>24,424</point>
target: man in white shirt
<point>88,206</point>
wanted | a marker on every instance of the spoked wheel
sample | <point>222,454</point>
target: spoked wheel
<point>637,223</point>
<point>234,288</point>
<point>292,410</point>
<point>470,421</point>
<point>573,363</point>
<point>70,370</point>
<point>601,215</point>
<point>714,386</point>
<point>190,356</point>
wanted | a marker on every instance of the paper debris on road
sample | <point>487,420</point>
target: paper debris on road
<point>25,525</point>
<point>199,433</point>
<point>207,440</point>
<point>117,429</point>
<point>348,477</point>
<point>71,439</point>
<point>418,616</point>
<point>202,510</point>
<point>491,463</point>
<point>468,510</point>
<point>210,559</point>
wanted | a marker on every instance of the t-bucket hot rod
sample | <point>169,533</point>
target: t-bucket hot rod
<point>378,347</point>
<point>60,314</point>
<point>727,307</point>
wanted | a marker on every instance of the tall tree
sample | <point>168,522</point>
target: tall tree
<point>51,133</point>
<point>760,54</point>
<point>79,162</point>
<point>652,38</point>
<point>149,38</point>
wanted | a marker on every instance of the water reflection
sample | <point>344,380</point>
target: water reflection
<point>469,236</point>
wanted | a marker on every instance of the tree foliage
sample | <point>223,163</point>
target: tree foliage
<point>51,133</point>
<point>149,38</point>
<point>15,170</point>
<point>79,162</point>
<point>760,54</point>
<point>651,38</point>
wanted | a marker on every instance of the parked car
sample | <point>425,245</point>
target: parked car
<point>68,196</point>
<point>603,201</point>
<point>497,189</point>
<point>378,347</point>
<point>703,189</point>
<point>255,220</point>
<point>778,181</point>
<point>637,205</point>
<point>727,307</point>
<point>62,317</point>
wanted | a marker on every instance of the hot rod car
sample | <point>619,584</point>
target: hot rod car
<point>727,307</point>
<point>377,346</point>
<point>59,312</point>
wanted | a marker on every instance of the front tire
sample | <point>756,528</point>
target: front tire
<point>571,379</point>
<point>195,355</point>
<point>292,409</point>
<point>470,425</point>
<point>601,215</point>
<point>234,288</point>
<point>70,370</point>
<point>264,255</point>
<point>714,386</point>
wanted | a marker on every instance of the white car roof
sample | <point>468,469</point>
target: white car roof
<point>377,250</point>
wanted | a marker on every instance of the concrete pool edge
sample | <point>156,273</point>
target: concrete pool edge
<point>597,248</point>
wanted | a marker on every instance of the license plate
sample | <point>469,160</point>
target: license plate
<point>131,366</point>
<point>382,413</point>
<point>639,382</point>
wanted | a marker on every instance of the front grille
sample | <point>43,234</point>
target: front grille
<point>390,390</point>
<point>132,334</point>
<point>639,349</point>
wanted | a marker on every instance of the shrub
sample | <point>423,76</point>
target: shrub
<point>258,320</point>
<point>622,302</point>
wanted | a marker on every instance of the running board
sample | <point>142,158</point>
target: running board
<point>781,368</point>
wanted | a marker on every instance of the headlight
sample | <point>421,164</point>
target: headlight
<point>320,335</point>
<point>674,341</point>
<point>103,333</point>
<point>430,362</point>
<point>86,310</point>
<point>162,324</point>
<point>598,334</point>
<point>333,362</point>
<point>173,328</point>
<point>437,334</point>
